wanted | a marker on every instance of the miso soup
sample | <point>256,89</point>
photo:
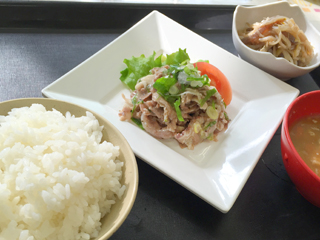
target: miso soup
<point>305,136</point>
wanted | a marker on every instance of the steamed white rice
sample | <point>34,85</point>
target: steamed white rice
<point>56,179</point>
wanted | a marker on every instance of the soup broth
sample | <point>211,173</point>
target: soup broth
<point>305,136</point>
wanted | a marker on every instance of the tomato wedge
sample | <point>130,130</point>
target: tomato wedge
<point>218,80</point>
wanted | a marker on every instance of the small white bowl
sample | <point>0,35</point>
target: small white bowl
<point>278,67</point>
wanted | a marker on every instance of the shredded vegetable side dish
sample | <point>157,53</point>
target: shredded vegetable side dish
<point>280,36</point>
<point>173,98</point>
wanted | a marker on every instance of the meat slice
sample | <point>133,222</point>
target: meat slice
<point>159,72</point>
<point>169,114</point>
<point>190,137</point>
<point>152,126</point>
<point>125,112</point>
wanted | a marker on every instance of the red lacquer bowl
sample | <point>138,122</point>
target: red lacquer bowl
<point>305,180</point>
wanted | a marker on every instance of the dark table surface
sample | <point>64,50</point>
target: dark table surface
<point>39,42</point>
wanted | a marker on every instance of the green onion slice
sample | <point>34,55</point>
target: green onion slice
<point>210,124</point>
<point>138,122</point>
<point>208,95</point>
<point>178,111</point>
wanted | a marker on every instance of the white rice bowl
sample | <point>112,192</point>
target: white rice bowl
<point>57,179</point>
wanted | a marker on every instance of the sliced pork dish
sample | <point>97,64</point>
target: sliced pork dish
<point>173,98</point>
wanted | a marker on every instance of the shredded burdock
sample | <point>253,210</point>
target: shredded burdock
<point>280,36</point>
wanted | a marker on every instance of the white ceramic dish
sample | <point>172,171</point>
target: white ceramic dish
<point>215,171</point>
<point>278,67</point>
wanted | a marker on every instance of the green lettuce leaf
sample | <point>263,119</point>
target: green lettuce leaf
<point>177,57</point>
<point>138,67</point>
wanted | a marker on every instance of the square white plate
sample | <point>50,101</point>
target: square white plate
<point>214,171</point>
